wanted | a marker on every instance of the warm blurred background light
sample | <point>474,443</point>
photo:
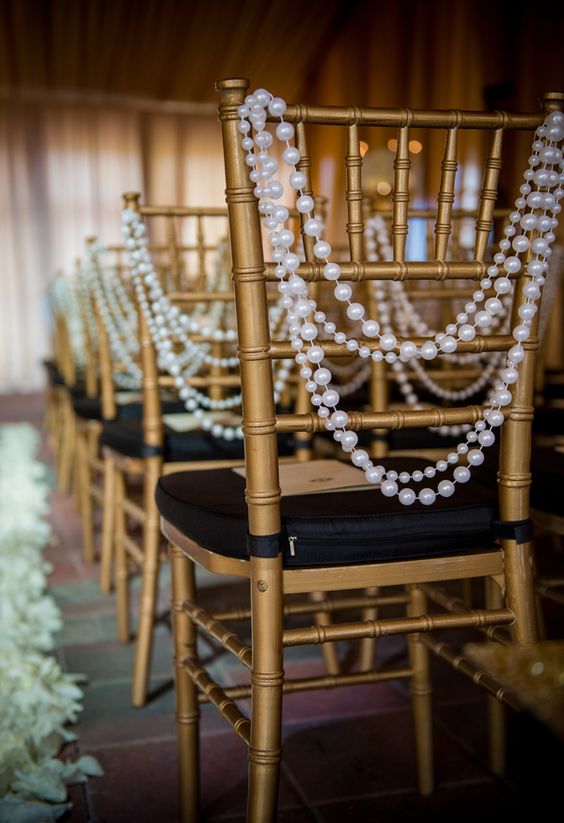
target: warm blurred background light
<point>102,96</point>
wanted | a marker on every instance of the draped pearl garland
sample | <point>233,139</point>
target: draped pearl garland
<point>536,211</point>
<point>393,300</point>
<point>66,301</point>
<point>170,329</point>
<point>123,341</point>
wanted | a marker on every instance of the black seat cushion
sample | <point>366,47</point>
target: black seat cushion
<point>331,529</point>
<point>54,376</point>
<point>548,478</point>
<point>126,436</point>
<point>548,420</point>
<point>91,408</point>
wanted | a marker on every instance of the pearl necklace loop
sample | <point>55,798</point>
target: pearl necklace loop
<point>170,329</point>
<point>393,300</point>
<point>536,211</point>
<point>122,338</point>
<point>66,304</point>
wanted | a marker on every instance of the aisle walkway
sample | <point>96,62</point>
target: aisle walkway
<point>347,755</point>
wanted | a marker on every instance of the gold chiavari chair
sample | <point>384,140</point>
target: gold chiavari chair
<point>117,384</point>
<point>348,540</point>
<point>74,376</point>
<point>147,448</point>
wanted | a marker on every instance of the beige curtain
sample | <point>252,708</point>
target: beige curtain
<point>63,169</point>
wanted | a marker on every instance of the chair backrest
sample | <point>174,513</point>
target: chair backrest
<point>183,272</point>
<point>251,273</point>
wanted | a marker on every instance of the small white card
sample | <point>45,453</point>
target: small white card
<point>187,422</point>
<point>318,476</point>
<point>125,397</point>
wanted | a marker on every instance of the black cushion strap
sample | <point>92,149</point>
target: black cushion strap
<point>519,530</point>
<point>264,545</point>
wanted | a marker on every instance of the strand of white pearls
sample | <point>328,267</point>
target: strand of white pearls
<point>393,295</point>
<point>119,335</point>
<point>169,329</point>
<point>65,301</point>
<point>544,207</point>
<point>402,310</point>
<point>168,324</point>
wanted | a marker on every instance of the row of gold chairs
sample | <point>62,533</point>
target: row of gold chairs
<point>353,542</point>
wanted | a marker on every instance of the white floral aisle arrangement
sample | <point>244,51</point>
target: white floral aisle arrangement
<point>37,699</point>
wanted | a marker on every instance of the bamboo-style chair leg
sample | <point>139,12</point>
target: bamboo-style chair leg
<point>83,480</point>
<point>367,651</point>
<point>420,686</point>
<point>496,710</point>
<point>107,541</point>
<point>187,708</point>
<point>466,594</point>
<point>266,689</point>
<point>519,568</point>
<point>329,650</point>
<point>66,447</point>
<point>541,623</point>
<point>149,584</point>
<point>121,564</point>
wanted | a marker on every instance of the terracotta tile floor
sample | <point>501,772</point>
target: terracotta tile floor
<point>348,754</point>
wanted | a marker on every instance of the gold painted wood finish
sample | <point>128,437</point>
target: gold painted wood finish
<point>509,565</point>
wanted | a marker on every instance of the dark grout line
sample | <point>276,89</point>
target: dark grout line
<point>296,785</point>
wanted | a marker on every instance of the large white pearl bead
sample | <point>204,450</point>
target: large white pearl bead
<point>406,497</point>
<point>493,305</point>
<point>388,342</point>
<point>330,397</point>
<point>461,474</point>
<point>502,397</point>
<point>427,497</point>
<point>483,319</point>
<point>284,131</point>
<point>297,180</point>
<point>408,349</point>
<point>494,417</point>
<point>389,488</point>
<point>475,457</point>
<point>448,344</point>
<point>286,237</point>
<point>360,458</point>
<point>531,290</point>
<point>512,265</point>
<point>291,155</point>
<point>527,311</point>
<point>339,419</point>
<point>349,441</point>
<point>313,227</point>
<point>304,204</point>
<point>342,292</point>
<point>373,474</point>
<point>528,222</point>
<point>509,375</point>
<point>277,107</point>
<point>332,271</point>
<point>322,376</point>
<point>308,331</point>
<point>322,249</point>
<point>370,328</point>
<point>521,333</point>
<point>502,285</point>
<point>428,350</point>
<point>355,311</point>
<point>486,438</point>
<point>315,354</point>
<point>445,488</point>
